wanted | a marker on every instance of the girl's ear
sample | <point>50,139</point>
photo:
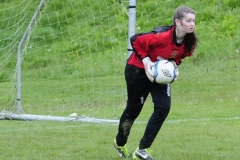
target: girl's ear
<point>177,21</point>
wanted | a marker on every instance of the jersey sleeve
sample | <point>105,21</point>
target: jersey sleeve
<point>142,43</point>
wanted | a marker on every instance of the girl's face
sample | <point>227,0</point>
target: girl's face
<point>187,23</point>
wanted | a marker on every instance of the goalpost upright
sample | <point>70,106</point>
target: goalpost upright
<point>19,54</point>
<point>132,23</point>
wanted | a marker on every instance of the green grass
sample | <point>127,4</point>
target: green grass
<point>191,139</point>
<point>203,124</point>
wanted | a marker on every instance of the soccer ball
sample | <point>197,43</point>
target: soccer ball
<point>164,72</point>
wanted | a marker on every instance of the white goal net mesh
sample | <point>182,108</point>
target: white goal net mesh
<point>73,61</point>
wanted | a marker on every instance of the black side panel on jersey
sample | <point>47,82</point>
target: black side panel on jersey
<point>160,29</point>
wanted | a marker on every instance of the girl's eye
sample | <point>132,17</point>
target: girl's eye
<point>191,21</point>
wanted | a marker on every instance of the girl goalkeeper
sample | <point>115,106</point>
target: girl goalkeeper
<point>169,42</point>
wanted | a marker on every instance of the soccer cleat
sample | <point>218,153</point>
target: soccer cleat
<point>122,150</point>
<point>142,154</point>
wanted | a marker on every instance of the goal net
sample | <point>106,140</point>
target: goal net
<point>72,62</point>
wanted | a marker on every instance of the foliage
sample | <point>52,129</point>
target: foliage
<point>62,38</point>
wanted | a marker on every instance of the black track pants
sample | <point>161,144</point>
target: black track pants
<point>138,88</point>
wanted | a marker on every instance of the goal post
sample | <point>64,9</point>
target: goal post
<point>19,55</point>
<point>72,60</point>
<point>131,23</point>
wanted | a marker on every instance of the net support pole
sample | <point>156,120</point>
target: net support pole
<point>19,55</point>
<point>131,23</point>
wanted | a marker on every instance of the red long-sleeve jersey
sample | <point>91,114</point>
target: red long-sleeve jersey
<point>157,46</point>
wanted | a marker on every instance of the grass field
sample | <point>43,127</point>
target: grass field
<point>201,139</point>
<point>204,122</point>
